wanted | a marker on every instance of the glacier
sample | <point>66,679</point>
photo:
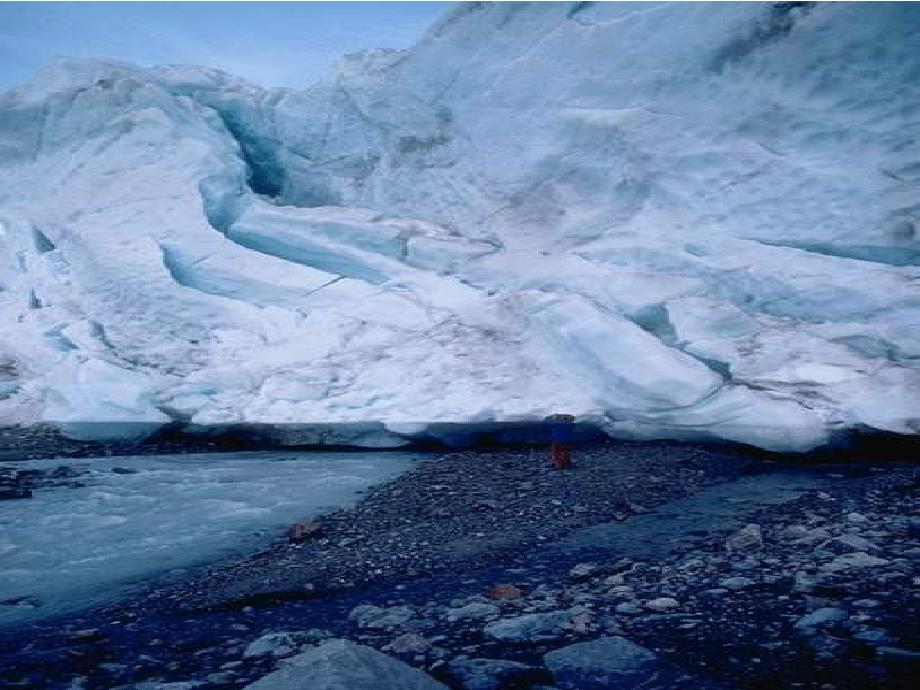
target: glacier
<point>681,220</point>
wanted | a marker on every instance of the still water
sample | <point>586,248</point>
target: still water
<point>68,548</point>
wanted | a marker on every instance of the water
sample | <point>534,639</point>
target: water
<point>724,506</point>
<point>69,548</point>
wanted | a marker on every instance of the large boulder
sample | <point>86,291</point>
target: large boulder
<point>343,665</point>
<point>824,616</point>
<point>608,663</point>
<point>283,643</point>
<point>490,674</point>
<point>369,616</point>
<point>471,611</point>
<point>531,627</point>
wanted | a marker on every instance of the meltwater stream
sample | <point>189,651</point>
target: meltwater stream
<point>69,548</point>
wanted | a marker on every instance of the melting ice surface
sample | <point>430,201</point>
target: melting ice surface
<point>676,220</point>
<point>68,548</point>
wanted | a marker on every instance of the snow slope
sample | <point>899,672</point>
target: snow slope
<point>682,219</point>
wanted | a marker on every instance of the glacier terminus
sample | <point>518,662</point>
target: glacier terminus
<point>673,220</point>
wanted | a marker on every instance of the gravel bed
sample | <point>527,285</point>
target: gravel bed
<point>457,569</point>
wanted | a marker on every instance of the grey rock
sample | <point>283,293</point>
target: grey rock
<point>662,604</point>
<point>747,564</point>
<point>813,537</point>
<point>794,532</point>
<point>913,528</point>
<point>410,643</point>
<point>277,644</point>
<point>898,654</point>
<point>804,582</point>
<point>583,571</point>
<point>12,492</point>
<point>855,560</point>
<point>154,685</point>
<point>608,663</point>
<point>471,612</point>
<point>716,593</point>
<point>630,608</point>
<point>866,603</point>
<point>847,543</point>
<point>21,602</point>
<point>489,674</point>
<point>343,665</point>
<point>221,678</point>
<point>367,616</point>
<point>283,643</point>
<point>530,627</point>
<point>819,617</point>
<point>737,583</point>
<point>875,636</point>
<point>747,538</point>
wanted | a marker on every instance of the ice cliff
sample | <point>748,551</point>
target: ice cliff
<point>684,220</point>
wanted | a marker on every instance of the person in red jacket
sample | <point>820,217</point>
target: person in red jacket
<point>561,427</point>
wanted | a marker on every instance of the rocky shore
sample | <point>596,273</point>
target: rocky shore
<point>657,565</point>
<point>19,443</point>
<point>18,482</point>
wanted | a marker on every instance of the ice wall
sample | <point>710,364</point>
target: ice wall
<point>688,219</point>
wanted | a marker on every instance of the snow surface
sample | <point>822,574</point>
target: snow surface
<point>70,547</point>
<point>689,219</point>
